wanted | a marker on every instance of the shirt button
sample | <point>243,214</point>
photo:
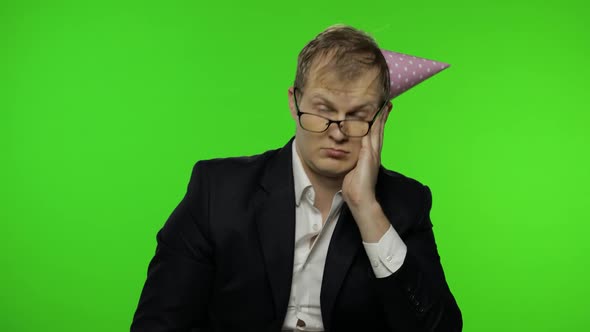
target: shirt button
<point>315,227</point>
<point>389,258</point>
<point>375,263</point>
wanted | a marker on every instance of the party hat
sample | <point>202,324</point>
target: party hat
<point>406,71</point>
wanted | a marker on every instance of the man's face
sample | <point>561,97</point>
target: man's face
<point>331,153</point>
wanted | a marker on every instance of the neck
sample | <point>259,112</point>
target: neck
<point>325,187</point>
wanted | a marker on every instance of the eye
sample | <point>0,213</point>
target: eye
<point>323,109</point>
<point>357,115</point>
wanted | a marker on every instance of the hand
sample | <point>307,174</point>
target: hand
<point>358,186</point>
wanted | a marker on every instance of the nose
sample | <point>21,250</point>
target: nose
<point>335,133</point>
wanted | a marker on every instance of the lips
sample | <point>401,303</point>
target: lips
<point>335,153</point>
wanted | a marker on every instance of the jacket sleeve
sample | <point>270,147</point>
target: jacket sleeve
<point>418,291</point>
<point>176,293</point>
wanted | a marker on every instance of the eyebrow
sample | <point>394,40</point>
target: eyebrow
<point>356,108</point>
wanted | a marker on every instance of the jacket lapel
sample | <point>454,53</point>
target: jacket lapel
<point>275,219</point>
<point>344,246</point>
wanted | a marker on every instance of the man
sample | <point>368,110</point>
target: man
<point>315,236</point>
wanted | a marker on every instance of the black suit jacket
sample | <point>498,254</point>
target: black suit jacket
<point>224,259</point>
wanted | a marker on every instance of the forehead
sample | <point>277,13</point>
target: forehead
<point>326,79</point>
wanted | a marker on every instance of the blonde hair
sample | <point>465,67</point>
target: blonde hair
<point>350,51</point>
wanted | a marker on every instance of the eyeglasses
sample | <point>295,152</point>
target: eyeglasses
<point>318,124</point>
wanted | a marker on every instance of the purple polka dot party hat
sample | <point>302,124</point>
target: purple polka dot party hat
<point>406,71</point>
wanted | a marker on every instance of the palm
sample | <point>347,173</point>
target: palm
<point>358,186</point>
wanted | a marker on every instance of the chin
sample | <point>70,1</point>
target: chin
<point>333,169</point>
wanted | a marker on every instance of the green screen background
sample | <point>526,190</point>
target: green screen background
<point>106,106</point>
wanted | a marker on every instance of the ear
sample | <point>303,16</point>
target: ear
<point>292,107</point>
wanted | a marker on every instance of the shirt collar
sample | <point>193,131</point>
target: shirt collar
<point>302,183</point>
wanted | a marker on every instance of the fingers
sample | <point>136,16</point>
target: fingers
<point>374,140</point>
<point>384,116</point>
<point>377,133</point>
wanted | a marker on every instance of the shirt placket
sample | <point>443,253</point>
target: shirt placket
<point>313,228</point>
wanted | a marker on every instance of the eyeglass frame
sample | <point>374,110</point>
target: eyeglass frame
<point>337,122</point>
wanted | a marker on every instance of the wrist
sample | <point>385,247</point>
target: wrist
<point>365,210</point>
<point>371,221</point>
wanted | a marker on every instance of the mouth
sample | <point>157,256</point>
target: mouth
<point>335,153</point>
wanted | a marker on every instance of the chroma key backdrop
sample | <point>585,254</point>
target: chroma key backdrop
<point>105,106</point>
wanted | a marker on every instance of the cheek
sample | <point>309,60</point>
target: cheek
<point>308,139</point>
<point>305,143</point>
<point>355,147</point>
<point>354,152</point>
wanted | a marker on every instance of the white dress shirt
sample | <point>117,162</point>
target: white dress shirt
<point>312,238</point>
